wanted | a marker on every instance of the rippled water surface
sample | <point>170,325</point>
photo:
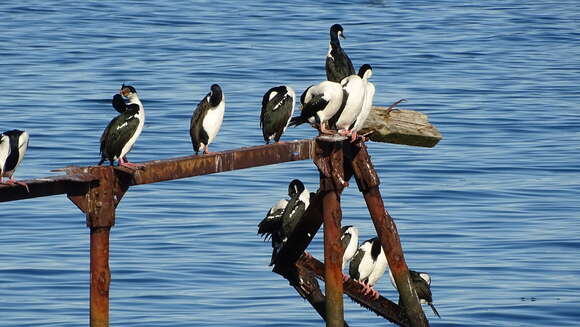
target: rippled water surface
<point>491,212</point>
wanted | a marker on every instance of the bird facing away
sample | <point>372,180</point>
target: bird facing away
<point>273,220</point>
<point>319,103</point>
<point>122,132</point>
<point>354,91</point>
<point>13,146</point>
<point>280,222</point>
<point>349,240</point>
<point>421,282</point>
<point>338,64</point>
<point>277,109</point>
<point>368,265</point>
<point>207,119</point>
<point>365,72</point>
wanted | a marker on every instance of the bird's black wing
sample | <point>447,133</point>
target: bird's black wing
<point>292,215</point>
<point>275,115</point>
<point>354,263</point>
<point>338,66</point>
<point>345,239</point>
<point>119,103</point>
<point>271,223</point>
<point>196,131</point>
<point>117,134</point>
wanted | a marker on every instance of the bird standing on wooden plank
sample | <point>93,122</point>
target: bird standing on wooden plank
<point>338,64</point>
<point>207,119</point>
<point>354,93</point>
<point>277,109</point>
<point>319,103</point>
<point>121,133</point>
<point>13,146</point>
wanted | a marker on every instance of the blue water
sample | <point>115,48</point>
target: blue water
<point>491,212</point>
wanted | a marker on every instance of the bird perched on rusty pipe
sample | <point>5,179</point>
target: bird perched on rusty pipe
<point>207,119</point>
<point>277,109</point>
<point>13,146</point>
<point>122,132</point>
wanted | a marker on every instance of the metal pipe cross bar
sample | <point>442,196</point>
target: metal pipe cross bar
<point>189,166</point>
<point>47,186</point>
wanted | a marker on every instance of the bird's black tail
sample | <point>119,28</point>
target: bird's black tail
<point>102,160</point>
<point>434,310</point>
<point>295,121</point>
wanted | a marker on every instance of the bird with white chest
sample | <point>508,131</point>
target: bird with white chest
<point>349,241</point>
<point>277,109</point>
<point>365,72</point>
<point>122,132</point>
<point>13,146</point>
<point>207,119</point>
<point>354,93</point>
<point>368,265</point>
<point>319,103</point>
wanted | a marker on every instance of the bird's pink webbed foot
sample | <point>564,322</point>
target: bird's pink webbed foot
<point>12,181</point>
<point>130,165</point>
<point>345,277</point>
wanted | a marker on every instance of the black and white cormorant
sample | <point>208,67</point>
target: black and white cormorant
<point>421,281</point>
<point>13,146</point>
<point>338,64</point>
<point>273,220</point>
<point>319,103</point>
<point>349,240</point>
<point>280,227</point>
<point>354,91</point>
<point>277,109</point>
<point>122,132</point>
<point>368,265</point>
<point>365,72</point>
<point>207,119</point>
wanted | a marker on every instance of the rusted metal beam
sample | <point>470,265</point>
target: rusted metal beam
<point>329,160</point>
<point>99,204</point>
<point>382,306</point>
<point>304,282</point>
<point>182,167</point>
<point>75,184</point>
<point>368,183</point>
<point>163,170</point>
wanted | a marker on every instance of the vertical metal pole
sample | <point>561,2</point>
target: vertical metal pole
<point>99,204</point>
<point>100,277</point>
<point>368,183</point>
<point>329,160</point>
<point>333,259</point>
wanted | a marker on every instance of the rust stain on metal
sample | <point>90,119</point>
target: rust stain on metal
<point>387,233</point>
<point>381,306</point>
<point>47,186</point>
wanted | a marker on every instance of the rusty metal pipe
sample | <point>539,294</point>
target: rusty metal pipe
<point>387,232</point>
<point>333,259</point>
<point>368,183</point>
<point>100,277</point>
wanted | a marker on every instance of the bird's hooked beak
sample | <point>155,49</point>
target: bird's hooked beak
<point>341,34</point>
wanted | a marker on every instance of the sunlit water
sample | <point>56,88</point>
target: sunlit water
<point>491,212</point>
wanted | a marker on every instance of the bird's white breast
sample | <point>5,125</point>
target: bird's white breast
<point>213,120</point>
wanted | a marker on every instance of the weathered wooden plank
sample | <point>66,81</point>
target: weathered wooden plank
<point>401,126</point>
